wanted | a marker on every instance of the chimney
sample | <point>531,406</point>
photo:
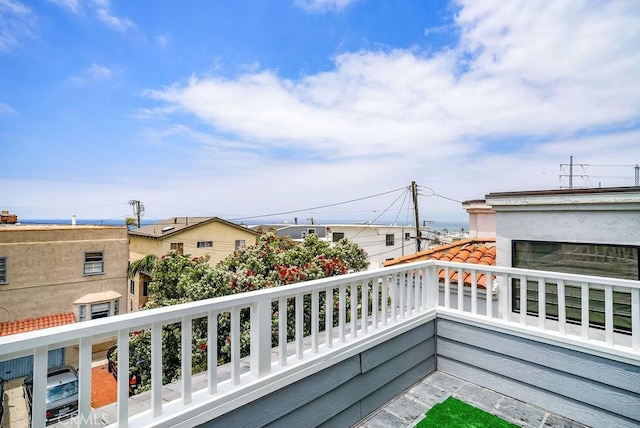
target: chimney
<point>73,220</point>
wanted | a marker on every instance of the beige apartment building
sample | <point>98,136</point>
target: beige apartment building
<point>60,269</point>
<point>197,236</point>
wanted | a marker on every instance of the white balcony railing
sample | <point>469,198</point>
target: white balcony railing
<point>372,307</point>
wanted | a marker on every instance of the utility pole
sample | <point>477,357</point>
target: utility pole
<point>637,175</point>
<point>414,192</point>
<point>563,166</point>
<point>138,210</point>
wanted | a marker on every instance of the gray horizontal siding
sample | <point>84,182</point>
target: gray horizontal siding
<point>344,393</point>
<point>589,389</point>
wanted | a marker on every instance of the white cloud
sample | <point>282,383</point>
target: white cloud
<point>324,5</point>
<point>6,109</point>
<point>162,40</point>
<point>115,22</point>
<point>95,72</point>
<point>71,5</point>
<point>16,23</point>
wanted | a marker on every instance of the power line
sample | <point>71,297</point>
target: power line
<point>318,207</point>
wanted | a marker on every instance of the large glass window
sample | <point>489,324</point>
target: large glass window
<point>205,244</point>
<point>3,270</point>
<point>93,263</point>
<point>613,261</point>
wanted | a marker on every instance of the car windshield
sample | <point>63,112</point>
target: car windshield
<point>60,392</point>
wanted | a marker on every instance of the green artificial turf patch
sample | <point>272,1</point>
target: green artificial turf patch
<point>455,413</point>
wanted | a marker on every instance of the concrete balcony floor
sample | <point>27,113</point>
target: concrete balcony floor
<point>408,408</point>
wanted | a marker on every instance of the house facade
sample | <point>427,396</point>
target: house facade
<point>198,236</point>
<point>380,242</point>
<point>55,269</point>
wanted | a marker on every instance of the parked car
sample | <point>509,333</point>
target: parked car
<point>112,367</point>
<point>1,400</point>
<point>62,393</point>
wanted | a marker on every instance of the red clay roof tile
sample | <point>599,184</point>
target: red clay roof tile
<point>31,324</point>
<point>481,251</point>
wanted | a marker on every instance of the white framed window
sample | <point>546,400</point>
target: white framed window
<point>205,244</point>
<point>93,263</point>
<point>100,310</point>
<point>3,270</point>
<point>240,243</point>
<point>390,240</point>
<point>311,231</point>
<point>407,236</point>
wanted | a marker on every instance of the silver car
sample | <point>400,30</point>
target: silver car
<point>62,393</point>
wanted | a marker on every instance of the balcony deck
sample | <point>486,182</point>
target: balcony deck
<point>406,409</point>
<point>392,328</point>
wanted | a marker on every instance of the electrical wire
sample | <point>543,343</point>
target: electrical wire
<point>318,207</point>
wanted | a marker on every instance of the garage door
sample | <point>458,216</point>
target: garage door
<point>19,367</point>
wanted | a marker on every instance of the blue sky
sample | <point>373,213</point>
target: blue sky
<point>243,108</point>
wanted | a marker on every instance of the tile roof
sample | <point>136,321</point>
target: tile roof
<point>31,324</point>
<point>481,251</point>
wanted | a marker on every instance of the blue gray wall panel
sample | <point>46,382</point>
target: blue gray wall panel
<point>343,394</point>
<point>589,389</point>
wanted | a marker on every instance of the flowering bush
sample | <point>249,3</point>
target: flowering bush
<point>271,262</point>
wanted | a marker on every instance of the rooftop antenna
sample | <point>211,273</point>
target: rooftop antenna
<point>138,209</point>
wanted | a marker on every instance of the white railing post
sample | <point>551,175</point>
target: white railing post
<point>354,310</point>
<point>474,292</point>
<point>282,330</point>
<point>562,308</point>
<point>84,373</point>
<point>608,314</point>
<point>432,287</point>
<point>156,369</point>
<point>235,345</point>
<point>584,305</point>
<point>504,296</point>
<point>635,319</point>
<point>447,289</point>
<point>123,377</point>
<point>328,325</point>
<point>542,303</point>
<point>315,321</point>
<point>260,338</point>
<point>40,362</point>
<point>186,328</point>
<point>299,315</point>
<point>523,300</point>
<point>212,351</point>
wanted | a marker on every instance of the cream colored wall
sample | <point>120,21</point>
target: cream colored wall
<point>224,241</point>
<point>45,268</point>
<point>222,235</point>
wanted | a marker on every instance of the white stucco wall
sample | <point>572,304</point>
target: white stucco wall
<point>598,218</point>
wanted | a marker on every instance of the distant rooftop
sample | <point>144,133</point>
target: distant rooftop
<point>173,225</point>
<point>31,324</point>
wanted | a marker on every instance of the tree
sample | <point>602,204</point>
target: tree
<point>273,261</point>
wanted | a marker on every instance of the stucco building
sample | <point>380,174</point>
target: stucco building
<point>197,236</point>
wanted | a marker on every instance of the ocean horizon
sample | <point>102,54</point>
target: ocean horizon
<point>451,225</point>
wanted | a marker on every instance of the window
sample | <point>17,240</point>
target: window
<point>311,231</point>
<point>100,310</point>
<point>205,244</point>
<point>178,247</point>
<point>407,236</point>
<point>336,236</point>
<point>3,270</point>
<point>93,263</point>
<point>240,243</point>
<point>145,289</point>
<point>615,261</point>
<point>390,240</point>
<point>132,287</point>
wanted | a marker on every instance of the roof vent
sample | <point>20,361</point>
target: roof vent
<point>168,228</point>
